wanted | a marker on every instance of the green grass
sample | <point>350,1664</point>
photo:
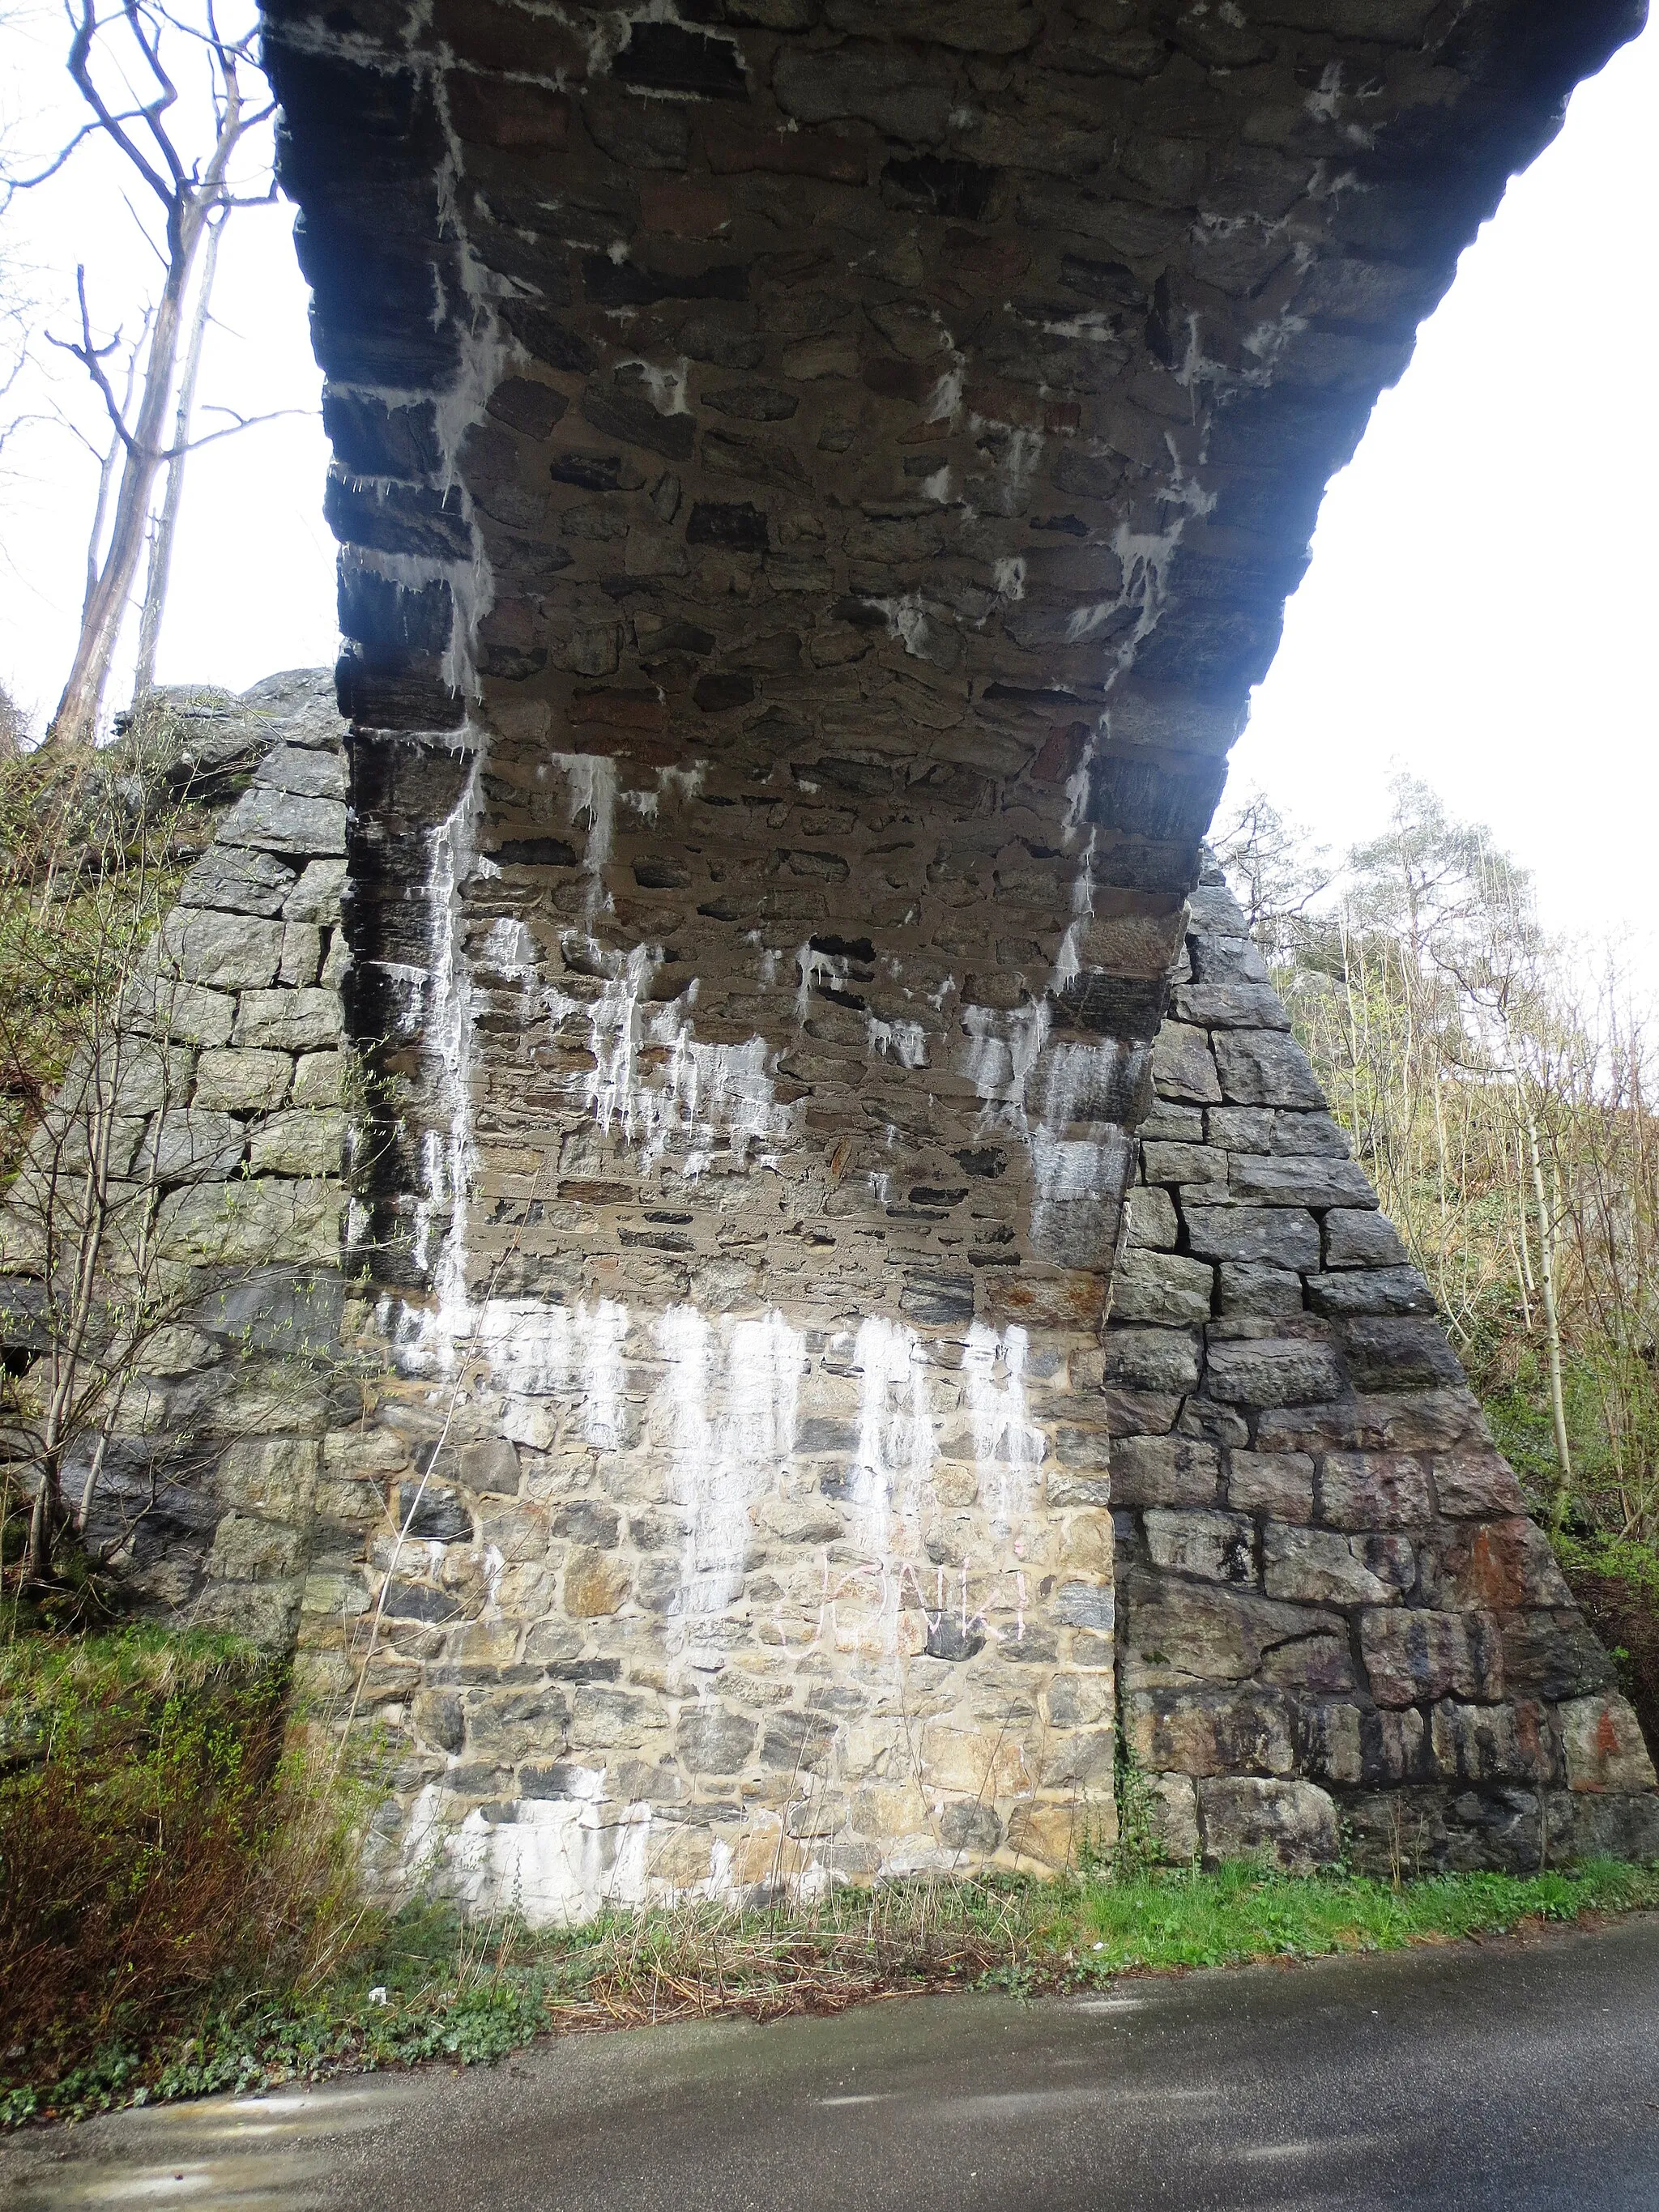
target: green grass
<point>1239,1913</point>
<point>423,1986</point>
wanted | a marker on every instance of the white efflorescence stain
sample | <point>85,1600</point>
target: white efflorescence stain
<point>732,1389</point>
<point>886,1483</point>
<point>1008,1446</point>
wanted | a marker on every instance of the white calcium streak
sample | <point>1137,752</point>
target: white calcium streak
<point>707,1094</point>
<point>731,1398</point>
<point>538,1350</point>
<point>591,778</point>
<point>889,1477</point>
<point>904,1042</point>
<point>448,1028</point>
<point>1007,1447</point>
<point>1001,1052</point>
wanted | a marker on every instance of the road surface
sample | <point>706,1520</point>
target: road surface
<point>1516,2075</point>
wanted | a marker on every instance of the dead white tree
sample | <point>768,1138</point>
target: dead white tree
<point>165,525</point>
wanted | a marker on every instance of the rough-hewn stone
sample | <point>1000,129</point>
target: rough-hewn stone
<point>1373,1613</point>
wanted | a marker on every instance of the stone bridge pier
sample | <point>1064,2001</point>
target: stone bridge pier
<point>815,483</point>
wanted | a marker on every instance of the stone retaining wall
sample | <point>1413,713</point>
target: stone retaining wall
<point>1340,1630</point>
<point>226,1086</point>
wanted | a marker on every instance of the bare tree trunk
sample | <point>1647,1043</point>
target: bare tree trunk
<point>107,472</point>
<point>75,723</point>
<point>161,547</point>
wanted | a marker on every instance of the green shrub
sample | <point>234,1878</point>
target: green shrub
<point>160,1845</point>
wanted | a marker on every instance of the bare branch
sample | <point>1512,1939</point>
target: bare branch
<point>87,130</point>
<point>233,429</point>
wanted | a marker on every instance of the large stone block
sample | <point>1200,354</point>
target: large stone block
<point>306,772</point>
<point>1273,1370</point>
<point>1217,1547</point>
<point>1276,1236</point>
<point>280,821</point>
<point>1220,1005</point>
<point>1373,1490</point>
<point>227,952</point>
<point>1164,1471</point>
<point>1265,1068</point>
<point>1246,1291</point>
<point>1503,1566</point>
<point>1489,1743</point>
<point>1344,1743</point>
<point>1182,1634</point>
<point>303,1020</point>
<point>1553,1655</point>
<point>1160,1288</point>
<point>190,1145</point>
<point>1323,1568</point>
<point>1151,1220</point>
<point>1278,1484</point>
<point>252,1223</point>
<point>303,1142</point>
<point>1206,1732</point>
<point>1414,1657</point>
<point>180,1013</point>
<point>1370,1290</point>
<point>235,1082</point>
<point>1294,1823</point>
<point>1602,1743</point>
<point>1313,1181</point>
<point>1476,1484</point>
<point>1359,1239</point>
<point>1163,1360</point>
<point>1407,1421</point>
<point>1397,1352</point>
<point>1183,1163</point>
<point>1183,1067</point>
<point>238,880</point>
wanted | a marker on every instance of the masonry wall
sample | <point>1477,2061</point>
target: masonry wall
<point>742,1239</point>
<point>1340,1632</point>
<point>223,1092</point>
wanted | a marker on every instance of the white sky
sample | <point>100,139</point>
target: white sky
<point>1480,610</point>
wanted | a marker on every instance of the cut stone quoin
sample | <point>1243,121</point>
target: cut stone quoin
<point>1425,1676</point>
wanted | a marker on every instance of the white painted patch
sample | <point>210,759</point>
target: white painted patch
<point>558,1860</point>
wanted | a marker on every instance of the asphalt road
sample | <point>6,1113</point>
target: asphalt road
<point>1517,2075</point>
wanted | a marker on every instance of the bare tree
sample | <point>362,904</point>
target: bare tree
<point>165,525</point>
<point>133,47</point>
<point>1275,872</point>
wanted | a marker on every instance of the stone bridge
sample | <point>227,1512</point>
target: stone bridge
<point>817,481</point>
